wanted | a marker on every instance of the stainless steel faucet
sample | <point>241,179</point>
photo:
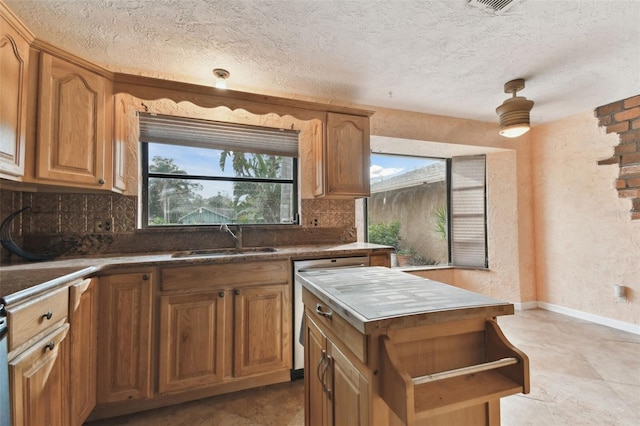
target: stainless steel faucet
<point>237,236</point>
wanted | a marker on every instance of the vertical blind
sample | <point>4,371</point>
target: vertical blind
<point>174,130</point>
<point>468,211</point>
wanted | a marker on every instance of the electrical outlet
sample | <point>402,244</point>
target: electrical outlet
<point>102,226</point>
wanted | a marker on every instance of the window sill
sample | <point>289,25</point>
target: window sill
<point>437,267</point>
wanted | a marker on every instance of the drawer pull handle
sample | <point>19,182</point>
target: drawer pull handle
<point>320,311</point>
<point>50,345</point>
<point>48,315</point>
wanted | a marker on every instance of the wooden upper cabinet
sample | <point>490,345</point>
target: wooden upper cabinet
<point>120,133</point>
<point>74,134</point>
<point>345,157</point>
<point>14,63</point>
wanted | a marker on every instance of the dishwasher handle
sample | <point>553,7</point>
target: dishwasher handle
<point>318,268</point>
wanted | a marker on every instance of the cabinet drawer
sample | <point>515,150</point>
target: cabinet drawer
<point>31,318</point>
<point>225,275</point>
<point>351,338</point>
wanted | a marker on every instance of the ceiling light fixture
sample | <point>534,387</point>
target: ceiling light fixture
<point>221,77</point>
<point>514,112</point>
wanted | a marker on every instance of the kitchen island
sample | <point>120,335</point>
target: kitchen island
<point>384,347</point>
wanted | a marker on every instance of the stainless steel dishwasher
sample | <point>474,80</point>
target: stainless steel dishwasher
<point>298,307</point>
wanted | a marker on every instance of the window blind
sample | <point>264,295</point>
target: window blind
<point>174,130</point>
<point>468,211</point>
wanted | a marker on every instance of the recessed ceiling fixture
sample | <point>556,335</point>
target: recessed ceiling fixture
<point>221,77</point>
<point>514,112</point>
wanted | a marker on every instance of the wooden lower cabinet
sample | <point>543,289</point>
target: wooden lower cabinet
<point>83,317</point>
<point>262,329</point>
<point>252,325</point>
<point>336,393</point>
<point>192,331</point>
<point>39,382</point>
<point>125,331</point>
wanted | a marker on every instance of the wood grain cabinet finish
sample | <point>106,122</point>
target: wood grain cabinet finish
<point>83,318</point>
<point>39,382</point>
<point>124,344</point>
<point>262,329</point>
<point>192,330</point>
<point>14,64</point>
<point>223,325</point>
<point>336,393</point>
<point>345,157</point>
<point>73,143</point>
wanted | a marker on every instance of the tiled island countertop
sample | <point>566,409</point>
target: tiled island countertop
<point>372,298</point>
<point>21,281</point>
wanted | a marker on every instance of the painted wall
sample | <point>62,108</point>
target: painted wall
<point>585,241</point>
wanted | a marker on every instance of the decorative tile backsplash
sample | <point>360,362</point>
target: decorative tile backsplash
<point>64,223</point>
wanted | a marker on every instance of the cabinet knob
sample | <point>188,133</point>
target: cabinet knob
<point>102,181</point>
<point>145,277</point>
<point>48,315</point>
<point>50,345</point>
<point>221,294</point>
<point>236,292</point>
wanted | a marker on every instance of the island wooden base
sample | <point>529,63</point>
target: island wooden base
<point>451,372</point>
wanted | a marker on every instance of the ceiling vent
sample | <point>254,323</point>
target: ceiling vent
<point>498,6</point>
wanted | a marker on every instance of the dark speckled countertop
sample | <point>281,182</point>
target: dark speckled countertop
<point>19,282</point>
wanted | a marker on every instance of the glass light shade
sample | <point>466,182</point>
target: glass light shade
<point>221,83</point>
<point>514,116</point>
<point>514,131</point>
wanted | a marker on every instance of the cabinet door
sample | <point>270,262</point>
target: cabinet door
<point>315,363</point>
<point>39,382</point>
<point>14,62</point>
<point>124,345</point>
<point>347,155</point>
<point>83,316</point>
<point>263,329</point>
<point>191,340</point>
<point>120,132</point>
<point>349,393</point>
<point>72,142</point>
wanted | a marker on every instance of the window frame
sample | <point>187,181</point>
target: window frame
<point>146,175</point>
<point>448,172</point>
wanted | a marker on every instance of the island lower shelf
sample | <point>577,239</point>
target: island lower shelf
<point>469,364</point>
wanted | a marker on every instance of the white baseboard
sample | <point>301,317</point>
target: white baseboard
<point>525,305</point>
<point>620,325</point>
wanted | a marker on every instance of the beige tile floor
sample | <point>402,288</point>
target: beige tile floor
<point>581,374</point>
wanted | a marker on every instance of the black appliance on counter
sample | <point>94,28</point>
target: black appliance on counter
<point>5,405</point>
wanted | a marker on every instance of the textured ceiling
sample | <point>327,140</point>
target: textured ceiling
<point>440,57</point>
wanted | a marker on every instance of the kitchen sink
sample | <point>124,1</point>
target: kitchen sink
<point>224,251</point>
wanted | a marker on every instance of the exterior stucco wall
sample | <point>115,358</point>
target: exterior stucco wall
<point>511,250</point>
<point>585,240</point>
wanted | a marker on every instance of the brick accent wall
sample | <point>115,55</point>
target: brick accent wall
<point>623,118</point>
